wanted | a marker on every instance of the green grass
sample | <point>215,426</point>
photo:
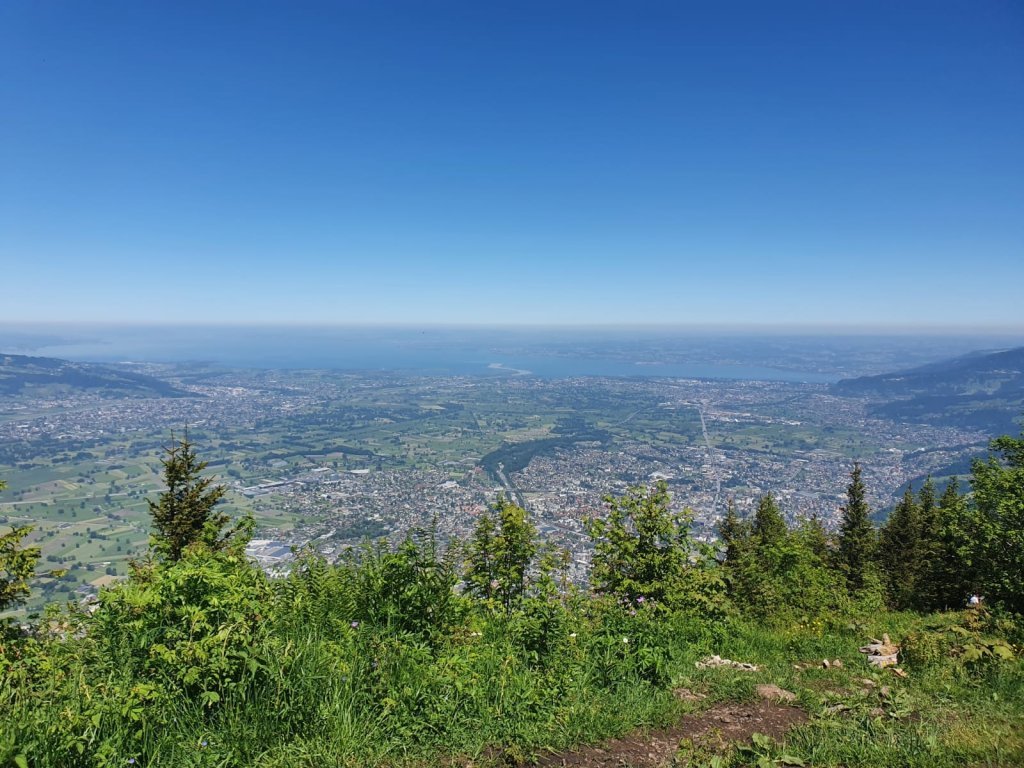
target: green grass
<point>320,692</point>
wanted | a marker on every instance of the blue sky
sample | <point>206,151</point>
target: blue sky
<point>553,162</point>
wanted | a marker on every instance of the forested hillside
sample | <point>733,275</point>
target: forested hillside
<point>51,377</point>
<point>984,390</point>
<point>778,646</point>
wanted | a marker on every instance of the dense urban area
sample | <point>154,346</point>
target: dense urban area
<point>326,459</point>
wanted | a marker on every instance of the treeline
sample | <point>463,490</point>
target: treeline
<point>932,554</point>
<point>422,648</point>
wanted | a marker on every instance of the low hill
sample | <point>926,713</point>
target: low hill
<point>982,390</point>
<point>48,376</point>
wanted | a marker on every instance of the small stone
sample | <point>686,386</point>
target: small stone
<point>772,691</point>
<point>685,694</point>
<point>826,664</point>
<point>883,660</point>
<point>838,663</point>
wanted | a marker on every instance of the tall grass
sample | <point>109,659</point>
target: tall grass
<point>378,662</point>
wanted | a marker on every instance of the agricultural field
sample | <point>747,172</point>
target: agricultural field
<point>333,457</point>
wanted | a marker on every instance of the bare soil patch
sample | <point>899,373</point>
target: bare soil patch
<point>712,730</point>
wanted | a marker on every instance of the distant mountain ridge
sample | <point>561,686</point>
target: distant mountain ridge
<point>983,389</point>
<point>23,375</point>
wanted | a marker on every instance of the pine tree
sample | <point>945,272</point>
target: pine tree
<point>734,534</point>
<point>899,552</point>
<point>948,572</point>
<point>769,527</point>
<point>501,551</point>
<point>642,551</point>
<point>481,572</point>
<point>929,548</point>
<point>184,513</point>
<point>736,543</point>
<point>856,534</point>
<point>516,546</point>
<point>997,523</point>
<point>814,537</point>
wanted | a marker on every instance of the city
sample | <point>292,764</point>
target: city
<point>325,460</point>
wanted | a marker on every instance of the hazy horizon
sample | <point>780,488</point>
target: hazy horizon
<point>557,352</point>
<point>794,329</point>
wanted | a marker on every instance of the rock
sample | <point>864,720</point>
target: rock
<point>717,661</point>
<point>773,692</point>
<point>881,653</point>
<point>838,663</point>
<point>881,661</point>
<point>826,664</point>
<point>884,647</point>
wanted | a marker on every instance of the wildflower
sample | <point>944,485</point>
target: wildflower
<point>131,761</point>
<point>625,639</point>
<point>572,635</point>
<point>354,625</point>
<point>641,599</point>
<point>202,743</point>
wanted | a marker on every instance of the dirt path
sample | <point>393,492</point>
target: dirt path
<point>712,730</point>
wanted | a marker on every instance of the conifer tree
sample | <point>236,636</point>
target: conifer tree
<point>500,554</point>
<point>642,552</point>
<point>997,523</point>
<point>481,572</point>
<point>184,514</point>
<point>899,552</point>
<point>929,512</point>
<point>769,528</point>
<point>856,534</point>
<point>925,594</point>
<point>735,537</point>
<point>947,572</point>
<point>814,537</point>
<point>517,544</point>
<point>734,534</point>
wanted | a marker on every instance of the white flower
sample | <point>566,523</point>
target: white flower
<point>625,639</point>
<point>572,634</point>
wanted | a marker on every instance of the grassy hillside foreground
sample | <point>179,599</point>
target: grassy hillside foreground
<point>481,653</point>
<point>208,663</point>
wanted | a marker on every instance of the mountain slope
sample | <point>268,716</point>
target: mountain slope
<point>983,390</point>
<point>46,376</point>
